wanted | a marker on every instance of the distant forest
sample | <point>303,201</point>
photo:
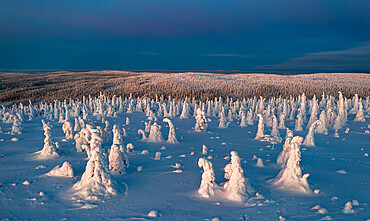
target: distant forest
<point>47,87</point>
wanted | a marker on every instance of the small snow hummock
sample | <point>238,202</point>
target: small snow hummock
<point>336,134</point>
<point>290,177</point>
<point>238,187</point>
<point>259,163</point>
<point>157,156</point>
<point>208,185</point>
<point>171,134</point>
<point>62,171</point>
<point>129,147</point>
<point>153,214</point>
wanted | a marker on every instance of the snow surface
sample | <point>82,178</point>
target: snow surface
<point>167,188</point>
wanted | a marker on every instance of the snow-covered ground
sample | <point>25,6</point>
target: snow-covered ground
<point>165,186</point>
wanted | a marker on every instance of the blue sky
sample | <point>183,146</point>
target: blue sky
<point>209,35</point>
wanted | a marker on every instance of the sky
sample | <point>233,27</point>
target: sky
<point>295,36</point>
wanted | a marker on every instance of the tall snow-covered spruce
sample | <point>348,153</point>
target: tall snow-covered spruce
<point>208,185</point>
<point>261,128</point>
<point>200,121</point>
<point>118,160</point>
<point>49,151</point>
<point>238,187</point>
<point>96,182</point>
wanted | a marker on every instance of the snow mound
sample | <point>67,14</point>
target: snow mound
<point>62,171</point>
<point>153,214</point>
<point>260,163</point>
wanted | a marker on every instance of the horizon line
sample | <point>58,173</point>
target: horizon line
<point>20,70</point>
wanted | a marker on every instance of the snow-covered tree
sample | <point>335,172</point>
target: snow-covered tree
<point>290,177</point>
<point>238,187</point>
<point>171,134</point>
<point>107,132</point>
<point>96,182</point>
<point>322,128</point>
<point>275,130</point>
<point>283,156</point>
<point>309,141</point>
<point>314,111</point>
<point>208,185</point>
<point>250,117</point>
<point>68,130</point>
<point>147,126</point>
<point>16,127</point>
<point>204,150</point>
<point>201,121</point>
<point>77,126</point>
<point>49,151</point>
<point>118,160</point>
<point>360,113</point>
<point>341,119</point>
<point>261,128</point>
<point>223,122</point>
<point>155,135</point>
<point>282,121</point>
<point>144,137</point>
<point>299,122</point>
<point>185,111</point>
<point>82,122</point>
<point>243,122</point>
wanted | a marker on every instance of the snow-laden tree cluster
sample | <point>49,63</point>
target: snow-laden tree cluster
<point>88,122</point>
<point>237,188</point>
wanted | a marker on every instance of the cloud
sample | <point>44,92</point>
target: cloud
<point>352,59</point>
<point>229,55</point>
